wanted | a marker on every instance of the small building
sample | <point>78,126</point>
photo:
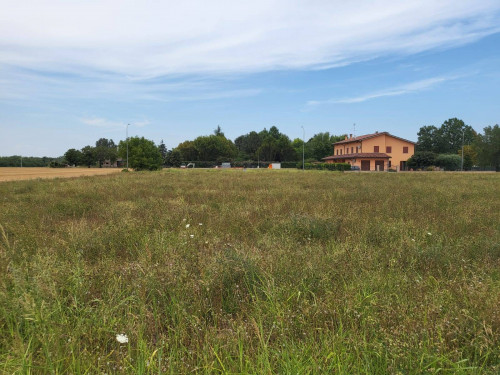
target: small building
<point>373,152</point>
<point>118,163</point>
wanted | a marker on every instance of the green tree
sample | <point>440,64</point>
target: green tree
<point>450,162</point>
<point>275,146</point>
<point>268,149</point>
<point>73,156</point>
<point>248,145</point>
<point>187,151</point>
<point>163,151</point>
<point>487,146</point>
<point>321,145</point>
<point>105,149</point>
<point>88,156</point>
<point>214,148</point>
<point>470,157</point>
<point>422,159</point>
<point>447,139</point>
<point>174,158</point>
<point>218,131</point>
<point>427,139</point>
<point>452,134</point>
<point>143,154</point>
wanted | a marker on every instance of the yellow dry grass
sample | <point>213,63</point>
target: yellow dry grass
<point>12,174</point>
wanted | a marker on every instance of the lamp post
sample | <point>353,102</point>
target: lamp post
<point>463,136</point>
<point>127,144</point>
<point>303,146</point>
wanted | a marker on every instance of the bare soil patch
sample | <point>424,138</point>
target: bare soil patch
<point>13,174</point>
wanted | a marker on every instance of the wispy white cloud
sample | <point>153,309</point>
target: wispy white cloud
<point>102,122</point>
<point>407,88</point>
<point>151,39</point>
<point>110,124</point>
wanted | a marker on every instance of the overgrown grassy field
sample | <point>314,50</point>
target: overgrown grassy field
<point>260,272</point>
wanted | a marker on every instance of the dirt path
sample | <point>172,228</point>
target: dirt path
<point>12,174</point>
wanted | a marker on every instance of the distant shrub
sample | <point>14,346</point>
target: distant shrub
<point>327,166</point>
<point>450,162</point>
<point>56,164</point>
<point>290,164</point>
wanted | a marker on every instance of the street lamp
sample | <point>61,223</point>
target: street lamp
<point>463,136</point>
<point>303,146</point>
<point>127,144</point>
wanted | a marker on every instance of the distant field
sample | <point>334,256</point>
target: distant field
<point>251,272</point>
<point>14,174</point>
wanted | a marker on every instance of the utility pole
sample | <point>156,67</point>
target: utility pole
<point>303,146</point>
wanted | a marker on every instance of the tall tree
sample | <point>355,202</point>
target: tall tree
<point>143,154</point>
<point>105,149</point>
<point>218,131</point>
<point>88,156</point>
<point>73,156</point>
<point>452,134</point>
<point>487,146</point>
<point>248,145</point>
<point>214,148</point>
<point>163,151</point>
<point>187,151</point>
<point>174,158</point>
<point>321,145</point>
<point>427,138</point>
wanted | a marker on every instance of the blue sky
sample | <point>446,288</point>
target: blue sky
<point>72,72</point>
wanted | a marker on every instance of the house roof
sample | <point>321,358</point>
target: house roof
<point>368,136</point>
<point>358,155</point>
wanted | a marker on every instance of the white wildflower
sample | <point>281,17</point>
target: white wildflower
<point>188,225</point>
<point>200,224</point>
<point>413,239</point>
<point>429,233</point>
<point>121,338</point>
<point>191,235</point>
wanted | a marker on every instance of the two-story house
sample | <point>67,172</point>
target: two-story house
<point>373,152</point>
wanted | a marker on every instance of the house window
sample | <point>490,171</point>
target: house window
<point>375,149</point>
<point>352,150</point>
<point>337,152</point>
<point>388,149</point>
<point>340,152</point>
<point>389,164</point>
<point>405,150</point>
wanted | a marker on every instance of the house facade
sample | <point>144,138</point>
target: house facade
<point>373,152</point>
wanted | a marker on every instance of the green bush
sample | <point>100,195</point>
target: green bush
<point>450,162</point>
<point>327,166</point>
<point>290,164</point>
<point>56,164</point>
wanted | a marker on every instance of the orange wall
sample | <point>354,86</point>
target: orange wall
<point>346,148</point>
<point>382,141</point>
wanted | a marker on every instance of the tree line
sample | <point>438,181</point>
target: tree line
<point>454,143</point>
<point>436,146</point>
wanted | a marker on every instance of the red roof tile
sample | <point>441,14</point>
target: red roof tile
<point>367,136</point>
<point>362,155</point>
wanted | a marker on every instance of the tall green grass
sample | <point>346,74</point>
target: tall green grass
<point>290,272</point>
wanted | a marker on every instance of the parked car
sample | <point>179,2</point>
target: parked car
<point>355,168</point>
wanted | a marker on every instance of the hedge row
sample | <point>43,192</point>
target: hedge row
<point>327,166</point>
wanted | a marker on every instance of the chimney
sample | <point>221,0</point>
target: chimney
<point>345,139</point>
<point>350,136</point>
<point>376,132</point>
